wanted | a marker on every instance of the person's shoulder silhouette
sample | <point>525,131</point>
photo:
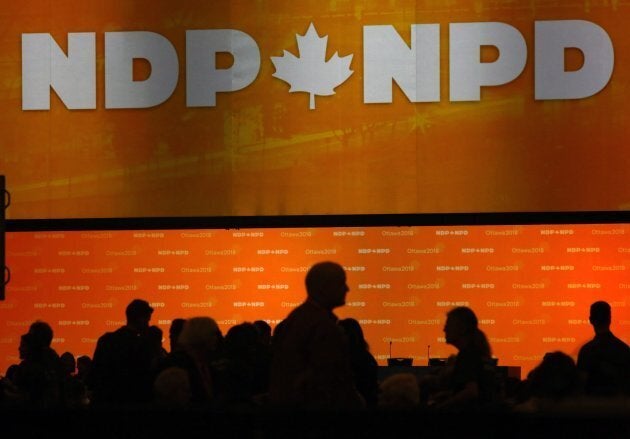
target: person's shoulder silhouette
<point>121,364</point>
<point>469,381</point>
<point>39,374</point>
<point>364,365</point>
<point>605,360</point>
<point>197,348</point>
<point>310,365</point>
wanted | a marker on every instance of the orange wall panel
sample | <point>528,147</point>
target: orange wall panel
<point>531,286</point>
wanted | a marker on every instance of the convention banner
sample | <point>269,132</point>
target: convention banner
<point>197,108</point>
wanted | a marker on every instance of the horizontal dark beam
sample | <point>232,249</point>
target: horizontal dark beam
<point>242,222</point>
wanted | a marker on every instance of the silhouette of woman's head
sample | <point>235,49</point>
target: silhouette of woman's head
<point>462,329</point>
<point>173,332</point>
<point>555,377</point>
<point>241,339</point>
<point>460,322</point>
<point>264,331</point>
<point>68,362</point>
<point>200,333</point>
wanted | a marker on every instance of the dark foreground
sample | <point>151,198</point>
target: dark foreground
<point>592,421</point>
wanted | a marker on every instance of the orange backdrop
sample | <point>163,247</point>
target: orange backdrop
<point>531,286</point>
<point>261,151</point>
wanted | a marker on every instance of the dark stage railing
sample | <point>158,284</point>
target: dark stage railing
<point>288,221</point>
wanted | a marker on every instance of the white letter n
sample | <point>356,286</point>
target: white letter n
<point>45,65</point>
<point>387,58</point>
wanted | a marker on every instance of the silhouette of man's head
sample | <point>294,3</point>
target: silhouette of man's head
<point>326,284</point>
<point>42,333</point>
<point>600,314</point>
<point>138,314</point>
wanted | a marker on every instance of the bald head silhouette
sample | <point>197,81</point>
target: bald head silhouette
<point>326,284</point>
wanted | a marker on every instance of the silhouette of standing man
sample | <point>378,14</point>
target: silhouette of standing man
<point>605,359</point>
<point>122,361</point>
<point>310,361</point>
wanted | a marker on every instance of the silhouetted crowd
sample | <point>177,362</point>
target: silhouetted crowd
<point>312,360</point>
